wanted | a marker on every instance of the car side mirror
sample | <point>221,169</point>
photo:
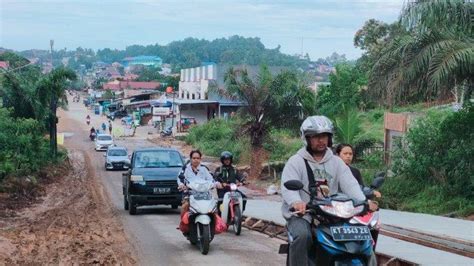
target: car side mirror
<point>293,185</point>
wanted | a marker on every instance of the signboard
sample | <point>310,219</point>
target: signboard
<point>161,111</point>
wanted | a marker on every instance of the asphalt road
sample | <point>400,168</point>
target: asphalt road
<point>153,230</point>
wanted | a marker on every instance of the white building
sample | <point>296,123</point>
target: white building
<point>194,82</point>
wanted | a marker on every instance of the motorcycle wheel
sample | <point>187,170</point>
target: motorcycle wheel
<point>204,238</point>
<point>237,220</point>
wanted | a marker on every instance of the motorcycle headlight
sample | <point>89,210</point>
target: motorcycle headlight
<point>342,209</point>
<point>136,178</point>
<point>233,187</point>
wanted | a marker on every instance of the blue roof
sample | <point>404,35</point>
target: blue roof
<point>207,63</point>
<point>145,57</point>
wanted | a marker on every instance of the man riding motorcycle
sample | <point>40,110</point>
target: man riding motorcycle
<point>225,174</point>
<point>316,156</point>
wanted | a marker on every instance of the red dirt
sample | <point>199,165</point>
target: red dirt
<point>72,223</point>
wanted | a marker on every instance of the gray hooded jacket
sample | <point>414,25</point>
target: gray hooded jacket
<point>331,168</point>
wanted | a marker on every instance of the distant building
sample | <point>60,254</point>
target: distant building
<point>145,60</point>
<point>134,85</point>
<point>4,64</point>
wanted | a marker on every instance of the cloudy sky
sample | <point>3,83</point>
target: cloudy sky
<point>317,27</point>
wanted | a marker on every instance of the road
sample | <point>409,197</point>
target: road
<point>153,231</point>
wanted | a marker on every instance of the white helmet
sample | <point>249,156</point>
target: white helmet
<point>316,124</point>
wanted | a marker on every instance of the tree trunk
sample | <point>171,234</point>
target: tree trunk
<point>52,128</point>
<point>259,156</point>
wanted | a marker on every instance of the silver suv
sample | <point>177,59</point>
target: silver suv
<point>116,158</point>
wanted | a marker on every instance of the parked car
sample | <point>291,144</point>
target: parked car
<point>116,158</point>
<point>117,114</point>
<point>103,141</point>
<point>151,179</point>
<point>127,120</point>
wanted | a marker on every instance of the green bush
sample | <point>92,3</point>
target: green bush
<point>435,160</point>
<point>24,149</point>
<point>282,144</point>
<point>217,136</point>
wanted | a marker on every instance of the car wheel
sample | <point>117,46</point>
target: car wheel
<point>132,207</point>
<point>125,202</point>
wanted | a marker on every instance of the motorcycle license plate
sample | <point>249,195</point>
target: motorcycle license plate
<point>350,233</point>
<point>161,190</point>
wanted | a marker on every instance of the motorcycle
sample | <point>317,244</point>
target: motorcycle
<point>371,218</point>
<point>166,132</point>
<point>336,241</point>
<point>92,136</point>
<point>231,208</point>
<point>202,214</point>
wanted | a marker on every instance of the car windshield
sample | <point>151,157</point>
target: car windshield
<point>104,138</point>
<point>157,159</point>
<point>117,153</point>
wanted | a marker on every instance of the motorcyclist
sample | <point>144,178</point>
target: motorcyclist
<point>315,156</point>
<point>192,171</point>
<point>88,119</point>
<point>225,174</point>
<point>92,133</point>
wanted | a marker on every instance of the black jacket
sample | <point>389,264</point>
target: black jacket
<point>227,174</point>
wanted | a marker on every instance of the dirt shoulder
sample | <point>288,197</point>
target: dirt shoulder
<point>72,223</point>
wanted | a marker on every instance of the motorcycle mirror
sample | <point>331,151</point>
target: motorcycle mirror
<point>378,181</point>
<point>293,185</point>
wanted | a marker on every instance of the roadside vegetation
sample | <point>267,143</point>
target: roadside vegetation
<point>433,46</point>
<point>27,116</point>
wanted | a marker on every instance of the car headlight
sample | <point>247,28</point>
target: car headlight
<point>136,178</point>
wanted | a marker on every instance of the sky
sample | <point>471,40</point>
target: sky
<point>317,27</point>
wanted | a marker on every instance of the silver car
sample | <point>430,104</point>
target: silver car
<point>116,158</point>
<point>103,141</point>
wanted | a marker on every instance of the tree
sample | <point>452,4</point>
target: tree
<point>433,57</point>
<point>344,90</point>
<point>52,93</point>
<point>269,102</point>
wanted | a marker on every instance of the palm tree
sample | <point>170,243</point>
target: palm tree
<point>433,57</point>
<point>268,102</point>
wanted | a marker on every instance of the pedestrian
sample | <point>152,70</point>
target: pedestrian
<point>104,127</point>
<point>110,127</point>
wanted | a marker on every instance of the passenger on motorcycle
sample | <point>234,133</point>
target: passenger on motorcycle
<point>191,171</point>
<point>346,152</point>
<point>226,174</point>
<point>316,132</point>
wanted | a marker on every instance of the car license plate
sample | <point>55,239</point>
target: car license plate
<point>350,233</point>
<point>161,190</point>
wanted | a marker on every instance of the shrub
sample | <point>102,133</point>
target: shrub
<point>435,161</point>
<point>216,136</point>
<point>24,149</point>
<point>282,144</point>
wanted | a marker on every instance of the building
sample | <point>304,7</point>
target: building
<point>4,65</point>
<point>144,60</point>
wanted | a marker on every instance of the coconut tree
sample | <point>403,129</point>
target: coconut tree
<point>434,56</point>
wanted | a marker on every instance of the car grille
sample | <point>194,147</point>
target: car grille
<point>168,183</point>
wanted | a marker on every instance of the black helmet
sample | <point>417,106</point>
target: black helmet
<point>226,155</point>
